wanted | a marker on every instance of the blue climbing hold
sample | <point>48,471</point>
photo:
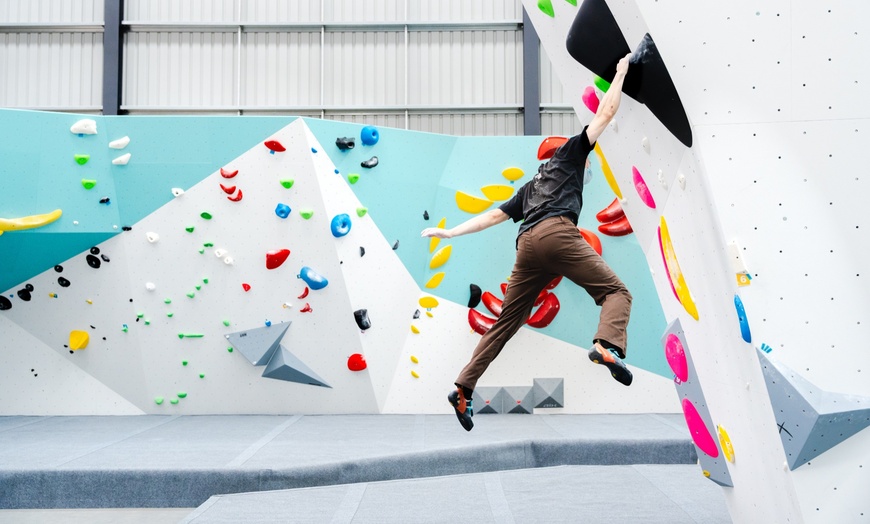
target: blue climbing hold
<point>369,135</point>
<point>340,225</point>
<point>312,278</point>
<point>741,317</point>
<point>283,210</point>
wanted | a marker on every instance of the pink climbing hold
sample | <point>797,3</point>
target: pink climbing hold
<point>274,146</point>
<point>356,362</point>
<point>642,189</point>
<point>275,258</point>
<point>676,357</point>
<point>590,99</point>
<point>700,434</point>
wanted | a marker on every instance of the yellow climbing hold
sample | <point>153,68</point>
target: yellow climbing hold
<point>28,222</point>
<point>433,242</point>
<point>608,173</point>
<point>471,204</point>
<point>415,374</point>
<point>78,339</point>
<point>674,272</point>
<point>440,257</point>
<point>414,329</point>
<point>435,281</point>
<point>429,314</point>
<point>725,442</point>
<point>513,173</point>
<point>415,360</point>
<point>428,302</point>
<point>497,192</point>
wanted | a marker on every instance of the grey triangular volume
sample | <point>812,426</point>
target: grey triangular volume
<point>549,392</point>
<point>518,399</point>
<point>488,400</point>
<point>810,421</point>
<point>258,345</point>
<point>286,366</point>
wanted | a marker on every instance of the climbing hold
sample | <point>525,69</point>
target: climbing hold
<point>345,143</point>
<point>545,313</point>
<point>546,7</point>
<point>229,261</point>
<point>590,99</point>
<point>228,174</point>
<point>428,302</point>
<point>610,213</point>
<point>572,2</point>
<point>642,190</point>
<point>202,375</point>
<point>183,362</point>
<point>675,274</point>
<point>274,146</point>
<point>414,329</point>
<point>246,287</point>
<point>492,303</point>
<point>208,244</point>
<point>306,213</point>
<point>415,360</point>
<point>189,229</point>
<point>150,286</point>
<point>644,143</point>
<point>190,335</point>
<point>496,192</point>
<point>313,150</point>
<point>675,354</point>
<point>63,282</point>
<point>88,183</point>
<point>353,178</point>
<point>152,237</point>
<point>362,251</point>
<point>78,339</point>
<point>396,245</point>
<point>340,225</point>
<point>602,84</point>
<point>170,314</point>
<point>312,278</point>
<point>24,294</point>
<point>429,314</point>
<point>158,400</point>
<point>591,239</point>
<point>182,394</point>
<point>167,301</point>
<point>177,192</point>
<point>356,362</point>
<point>475,294</point>
<point>122,160</point>
<point>425,215</point>
<point>434,241</point>
<point>173,401</point>
<point>228,190</point>
<point>81,159</point>
<point>235,198</point>
<point>617,228</point>
<point>370,163</point>
<point>435,281</point>
<point>549,146</point>
<point>698,429</point>
<point>608,173</point>
<point>681,179</point>
<point>85,126</point>
<point>105,200</point>
<point>52,295</point>
<point>277,257</point>
<point>479,322</point>
<point>741,318</point>
<point>416,314</point>
<point>440,257</point>
<point>226,323</point>
<point>362,319</point>
<point>415,374</point>
<point>287,183</point>
<point>124,328</point>
<point>369,135</point>
<point>191,294</point>
<point>471,204</point>
<point>206,215</point>
<point>58,268</point>
<point>120,143</point>
<point>282,210</point>
<point>304,293</point>
<point>512,173</point>
<point>306,308</point>
<point>93,261</point>
<point>361,211</point>
<point>725,443</point>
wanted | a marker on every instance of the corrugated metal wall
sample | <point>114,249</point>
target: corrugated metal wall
<point>451,66</point>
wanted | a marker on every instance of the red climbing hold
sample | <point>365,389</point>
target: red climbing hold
<point>229,174</point>
<point>246,287</point>
<point>549,146</point>
<point>356,362</point>
<point>555,282</point>
<point>235,198</point>
<point>304,293</point>
<point>591,239</point>
<point>479,322</point>
<point>306,309</point>
<point>492,303</point>
<point>546,313</point>
<point>228,190</point>
<point>276,258</point>
<point>541,296</point>
<point>611,212</point>
<point>274,146</point>
<point>617,228</point>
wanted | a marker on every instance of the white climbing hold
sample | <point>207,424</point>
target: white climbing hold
<point>177,192</point>
<point>623,201</point>
<point>122,160</point>
<point>662,180</point>
<point>150,286</point>
<point>115,226</point>
<point>86,126</point>
<point>75,222</point>
<point>228,261</point>
<point>681,178</point>
<point>120,143</point>
<point>220,252</point>
<point>287,305</point>
<point>152,236</point>
<point>645,144</point>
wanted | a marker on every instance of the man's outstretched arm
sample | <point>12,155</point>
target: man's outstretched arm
<point>609,102</point>
<point>472,225</point>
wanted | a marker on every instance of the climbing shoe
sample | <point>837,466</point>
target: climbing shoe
<point>609,358</point>
<point>462,407</point>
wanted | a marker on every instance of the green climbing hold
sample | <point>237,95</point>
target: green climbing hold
<point>158,400</point>
<point>202,375</point>
<point>287,183</point>
<point>140,315</point>
<point>361,211</point>
<point>191,294</point>
<point>201,251</point>
<point>174,401</point>
<point>206,215</point>
<point>182,394</point>
<point>167,301</point>
<point>205,281</point>
<point>208,244</point>
<point>602,84</point>
<point>124,329</point>
<point>572,2</point>
<point>183,362</point>
<point>88,183</point>
<point>353,178</point>
<point>190,335</point>
<point>227,323</point>
<point>198,287</point>
<point>230,349</point>
<point>306,213</point>
<point>189,229</point>
<point>147,322</point>
<point>546,6</point>
<point>81,159</point>
<point>170,314</point>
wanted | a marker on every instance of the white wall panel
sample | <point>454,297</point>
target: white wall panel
<point>359,11</point>
<point>280,69</point>
<point>364,68</point>
<point>51,70</point>
<point>280,11</point>
<point>51,11</point>
<point>484,124</point>
<point>186,70</point>
<point>374,119</point>
<point>464,11</point>
<point>561,124</point>
<point>175,11</point>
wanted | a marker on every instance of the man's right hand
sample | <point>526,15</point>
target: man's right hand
<point>622,66</point>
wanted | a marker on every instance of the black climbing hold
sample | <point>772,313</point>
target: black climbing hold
<point>417,314</point>
<point>370,163</point>
<point>95,250</point>
<point>104,257</point>
<point>58,268</point>
<point>104,200</point>
<point>362,319</point>
<point>596,41</point>
<point>345,143</point>
<point>92,327</point>
<point>63,282</point>
<point>71,352</point>
<point>94,262</point>
<point>28,287</point>
<point>425,215</point>
<point>474,299</point>
<point>5,303</point>
<point>24,295</point>
<point>362,251</point>
<point>127,228</point>
<point>396,245</point>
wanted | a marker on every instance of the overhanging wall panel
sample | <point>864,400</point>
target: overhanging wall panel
<point>186,70</point>
<point>51,70</point>
<point>175,11</point>
<point>51,11</point>
<point>464,11</point>
<point>364,68</point>
<point>280,69</point>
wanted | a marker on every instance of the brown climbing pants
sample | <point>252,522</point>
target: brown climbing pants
<point>551,248</point>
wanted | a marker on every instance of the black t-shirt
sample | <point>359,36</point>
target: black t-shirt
<point>557,188</point>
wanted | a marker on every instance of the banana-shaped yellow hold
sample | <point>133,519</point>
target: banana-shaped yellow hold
<point>33,221</point>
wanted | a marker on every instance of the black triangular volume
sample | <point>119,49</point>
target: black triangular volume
<point>596,41</point>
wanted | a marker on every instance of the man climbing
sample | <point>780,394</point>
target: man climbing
<point>549,245</point>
